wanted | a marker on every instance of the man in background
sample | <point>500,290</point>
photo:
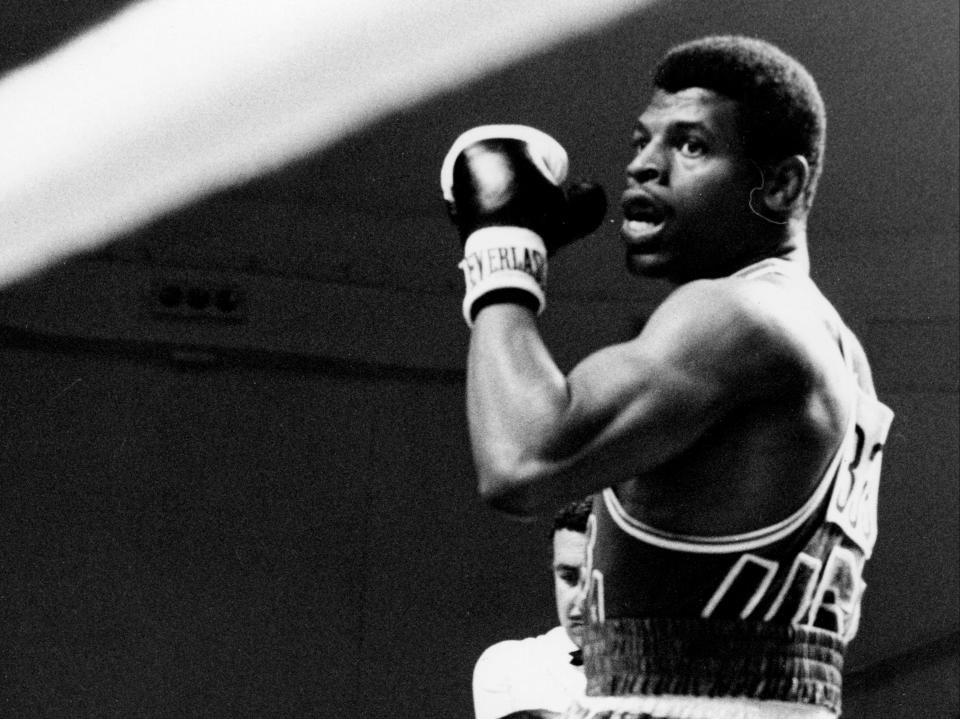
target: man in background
<point>539,676</point>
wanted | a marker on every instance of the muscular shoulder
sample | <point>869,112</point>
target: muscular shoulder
<point>743,330</point>
<point>731,305</point>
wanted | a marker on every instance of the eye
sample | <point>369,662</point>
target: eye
<point>692,147</point>
<point>570,577</point>
<point>639,140</point>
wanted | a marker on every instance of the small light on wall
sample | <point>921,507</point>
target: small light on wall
<point>183,299</point>
<point>226,300</point>
<point>198,298</point>
<point>170,295</point>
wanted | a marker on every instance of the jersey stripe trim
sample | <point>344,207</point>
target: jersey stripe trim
<point>718,544</point>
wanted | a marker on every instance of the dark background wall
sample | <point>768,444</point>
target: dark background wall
<point>270,511</point>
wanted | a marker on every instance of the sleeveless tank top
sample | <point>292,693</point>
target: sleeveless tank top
<point>765,614</point>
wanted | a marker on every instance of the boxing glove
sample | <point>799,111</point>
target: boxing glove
<point>502,188</point>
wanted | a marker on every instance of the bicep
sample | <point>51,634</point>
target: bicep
<point>702,356</point>
<point>542,438</point>
<point>649,399</point>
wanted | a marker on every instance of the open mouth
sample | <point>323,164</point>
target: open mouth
<point>642,215</point>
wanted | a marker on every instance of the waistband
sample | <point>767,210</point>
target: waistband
<point>680,707</point>
<point>715,658</point>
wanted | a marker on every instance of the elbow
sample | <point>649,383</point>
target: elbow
<point>508,501</point>
<point>508,492</point>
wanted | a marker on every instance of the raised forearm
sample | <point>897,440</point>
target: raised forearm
<point>502,186</point>
<point>517,399</point>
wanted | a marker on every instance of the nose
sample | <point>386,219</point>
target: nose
<point>578,602</point>
<point>647,165</point>
<point>576,607</point>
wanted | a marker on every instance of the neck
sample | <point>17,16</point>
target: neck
<point>788,243</point>
<point>794,252</point>
<point>792,244</point>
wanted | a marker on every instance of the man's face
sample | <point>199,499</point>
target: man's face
<point>686,206</point>
<point>569,553</point>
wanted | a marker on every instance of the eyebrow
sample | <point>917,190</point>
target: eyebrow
<point>679,125</point>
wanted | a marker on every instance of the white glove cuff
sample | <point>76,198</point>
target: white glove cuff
<point>503,257</point>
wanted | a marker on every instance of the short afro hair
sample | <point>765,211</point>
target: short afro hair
<point>573,516</point>
<point>782,112</point>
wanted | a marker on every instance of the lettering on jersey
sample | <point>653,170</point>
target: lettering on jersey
<point>742,588</point>
<point>836,605</point>
<point>794,598</point>
<point>595,608</point>
<point>478,265</point>
<point>853,503</point>
<point>827,599</point>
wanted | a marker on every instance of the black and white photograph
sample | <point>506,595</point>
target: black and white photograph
<point>515,359</point>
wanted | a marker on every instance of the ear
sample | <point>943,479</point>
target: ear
<point>784,185</point>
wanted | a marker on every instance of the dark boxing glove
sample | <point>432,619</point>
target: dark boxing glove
<point>502,187</point>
